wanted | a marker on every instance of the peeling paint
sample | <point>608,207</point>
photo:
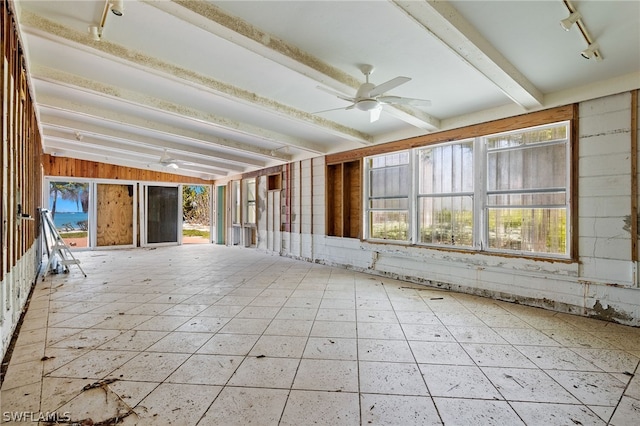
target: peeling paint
<point>609,313</point>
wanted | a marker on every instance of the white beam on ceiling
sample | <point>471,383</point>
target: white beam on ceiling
<point>41,27</point>
<point>57,119</point>
<point>208,17</point>
<point>150,126</point>
<point>446,24</point>
<point>152,153</point>
<point>74,82</point>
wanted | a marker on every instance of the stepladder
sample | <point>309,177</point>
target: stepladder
<point>58,252</point>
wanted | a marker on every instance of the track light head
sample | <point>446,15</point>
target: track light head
<point>117,7</point>
<point>591,51</point>
<point>568,22</point>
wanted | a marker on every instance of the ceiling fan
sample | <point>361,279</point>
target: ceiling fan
<point>167,161</point>
<point>370,97</point>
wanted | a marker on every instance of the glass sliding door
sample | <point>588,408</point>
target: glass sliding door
<point>162,214</point>
<point>69,207</point>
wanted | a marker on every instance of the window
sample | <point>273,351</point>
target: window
<point>527,198</point>
<point>506,193</point>
<point>250,201</point>
<point>235,202</point>
<point>445,194</point>
<point>388,196</point>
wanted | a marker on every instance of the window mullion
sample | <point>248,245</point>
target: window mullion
<point>479,193</point>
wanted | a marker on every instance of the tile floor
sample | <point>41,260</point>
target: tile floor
<point>209,335</point>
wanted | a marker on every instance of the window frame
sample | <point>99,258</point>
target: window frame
<point>480,194</point>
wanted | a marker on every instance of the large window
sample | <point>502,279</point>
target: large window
<point>527,199</point>
<point>507,193</point>
<point>445,194</point>
<point>389,189</point>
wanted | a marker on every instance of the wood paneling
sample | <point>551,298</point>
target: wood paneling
<point>344,199</point>
<point>71,167</point>
<point>114,221</point>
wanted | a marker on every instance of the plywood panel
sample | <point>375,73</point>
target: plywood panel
<point>114,220</point>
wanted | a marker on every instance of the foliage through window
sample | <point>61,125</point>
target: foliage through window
<point>507,192</point>
<point>389,189</point>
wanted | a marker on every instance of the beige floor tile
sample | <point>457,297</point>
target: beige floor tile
<point>321,408</point>
<point>86,339</point>
<point>325,314</point>
<point>279,346</point>
<point>163,323</point>
<point>93,365</point>
<point>384,350</point>
<point>267,312</point>
<point>476,412</point>
<point>555,358</point>
<point>150,367</point>
<point>398,410</point>
<point>627,413</point>
<point>532,385</point>
<point>440,353</point>
<point>346,329</point>
<point>229,344</point>
<point>243,406</point>
<point>176,404</point>
<point>133,340</point>
<point>180,342</point>
<point>427,332</point>
<point>206,369</point>
<point>589,387</point>
<point>281,327</point>
<point>277,373</point>
<point>327,375</point>
<point>331,348</point>
<point>458,381</point>
<point>488,355</point>
<point>391,378</point>
<point>246,326</point>
<point>203,325</point>
<point>374,330</point>
<point>553,414</point>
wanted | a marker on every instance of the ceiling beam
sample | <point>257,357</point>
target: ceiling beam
<point>97,89</point>
<point>57,119</point>
<point>151,153</point>
<point>446,24</point>
<point>143,125</point>
<point>214,20</point>
<point>63,149</point>
<point>42,27</point>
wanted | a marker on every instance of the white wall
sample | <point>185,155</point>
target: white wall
<point>14,292</point>
<point>603,283</point>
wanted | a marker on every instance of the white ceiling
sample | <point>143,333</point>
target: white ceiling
<point>227,87</point>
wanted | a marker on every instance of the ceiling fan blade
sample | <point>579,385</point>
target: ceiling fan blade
<point>374,114</point>
<point>337,94</point>
<point>333,109</point>
<point>404,101</point>
<point>388,85</point>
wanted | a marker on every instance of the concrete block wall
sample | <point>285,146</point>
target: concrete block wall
<point>603,283</point>
<point>14,292</point>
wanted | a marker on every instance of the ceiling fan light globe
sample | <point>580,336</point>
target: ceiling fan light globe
<point>367,104</point>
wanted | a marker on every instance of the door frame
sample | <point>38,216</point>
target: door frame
<point>144,210</point>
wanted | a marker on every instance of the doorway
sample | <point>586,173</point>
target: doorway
<point>69,207</point>
<point>196,214</point>
<point>162,205</point>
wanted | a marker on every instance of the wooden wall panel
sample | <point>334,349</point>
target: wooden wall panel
<point>114,221</point>
<point>71,167</point>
